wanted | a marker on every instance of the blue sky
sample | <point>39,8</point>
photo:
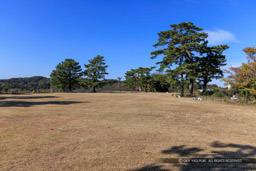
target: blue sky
<point>35,35</point>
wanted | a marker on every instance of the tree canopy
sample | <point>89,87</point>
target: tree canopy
<point>179,47</point>
<point>95,71</point>
<point>66,75</point>
<point>139,77</point>
<point>243,79</point>
<point>209,67</point>
<point>182,48</point>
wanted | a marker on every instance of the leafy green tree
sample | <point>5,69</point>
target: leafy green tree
<point>179,47</point>
<point>66,75</point>
<point>131,79</point>
<point>210,65</point>
<point>95,71</point>
<point>139,77</point>
<point>145,77</point>
<point>160,82</point>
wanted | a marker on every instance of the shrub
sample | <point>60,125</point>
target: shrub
<point>44,91</point>
<point>208,93</point>
<point>254,102</point>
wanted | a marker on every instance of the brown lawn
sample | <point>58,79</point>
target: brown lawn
<point>121,131</point>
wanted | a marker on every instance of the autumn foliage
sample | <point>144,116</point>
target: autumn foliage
<point>243,79</point>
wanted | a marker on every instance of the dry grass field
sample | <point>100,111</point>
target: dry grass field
<point>121,131</point>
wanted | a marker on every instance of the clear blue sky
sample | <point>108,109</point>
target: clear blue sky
<point>35,35</point>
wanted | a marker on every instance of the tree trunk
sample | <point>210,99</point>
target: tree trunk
<point>181,81</point>
<point>181,86</point>
<point>70,87</point>
<point>69,82</point>
<point>119,86</point>
<point>94,89</point>
<point>191,86</point>
<point>204,85</point>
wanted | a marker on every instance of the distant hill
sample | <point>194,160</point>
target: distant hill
<point>39,84</point>
<point>25,85</point>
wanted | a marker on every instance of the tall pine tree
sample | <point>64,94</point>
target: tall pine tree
<point>179,47</point>
<point>95,71</point>
<point>210,64</point>
<point>66,75</point>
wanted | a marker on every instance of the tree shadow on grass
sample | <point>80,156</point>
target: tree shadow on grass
<point>151,168</point>
<point>182,151</point>
<point>111,92</point>
<point>26,97</point>
<point>221,151</point>
<point>29,104</point>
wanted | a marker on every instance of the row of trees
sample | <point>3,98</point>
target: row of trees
<point>142,79</point>
<point>68,74</point>
<point>186,58</point>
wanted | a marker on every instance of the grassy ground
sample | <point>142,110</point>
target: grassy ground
<point>121,131</point>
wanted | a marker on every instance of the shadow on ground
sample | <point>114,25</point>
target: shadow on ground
<point>26,97</point>
<point>221,151</point>
<point>29,104</point>
<point>111,92</point>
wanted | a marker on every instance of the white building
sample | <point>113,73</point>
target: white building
<point>229,86</point>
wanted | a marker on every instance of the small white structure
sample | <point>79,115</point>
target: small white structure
<point>194,98</point>
<point>200,90</point>
<point>179,97</point>
<point>200,99</point>
<point>229,86</point>
<point>234,97</point>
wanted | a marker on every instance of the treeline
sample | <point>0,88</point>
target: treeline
<point>187,64</point>
<point>141,79</point>
<point>25,85</point>
<point>39,84</point>
<point>69,76</point>
<point>186,60</point>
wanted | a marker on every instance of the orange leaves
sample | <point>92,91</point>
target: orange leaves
<point>244,77</point>
<point>251,52</point>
